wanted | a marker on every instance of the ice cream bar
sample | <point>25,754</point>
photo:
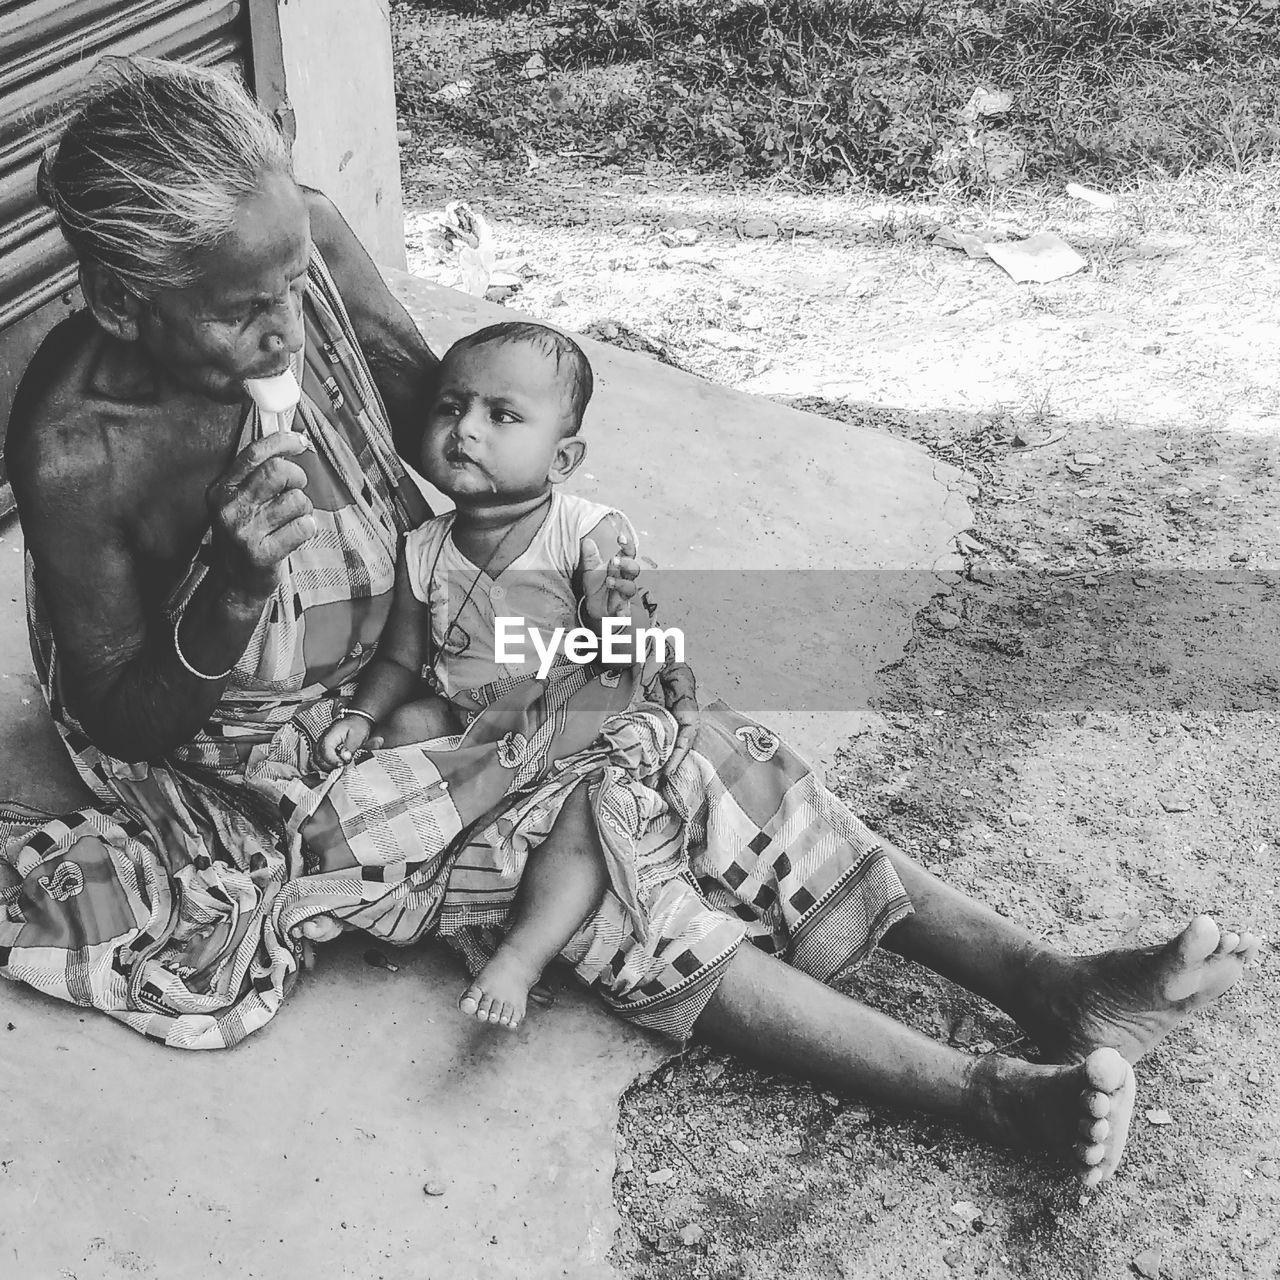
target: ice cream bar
<point>275,397</point>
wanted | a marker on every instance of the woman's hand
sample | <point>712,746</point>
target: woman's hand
<point>260,513</point>
<point>679,692</point>
<point>345,736</point>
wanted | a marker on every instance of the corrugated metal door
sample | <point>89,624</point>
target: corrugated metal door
<point>47,49</point>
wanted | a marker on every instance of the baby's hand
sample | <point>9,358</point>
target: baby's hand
<point>344,738</point>
<point>607,589</point>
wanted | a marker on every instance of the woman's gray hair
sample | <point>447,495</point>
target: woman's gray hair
<point>152,167</point>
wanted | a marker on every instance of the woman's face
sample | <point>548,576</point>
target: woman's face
<point>243,316</point>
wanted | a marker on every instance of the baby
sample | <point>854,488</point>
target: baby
<point>501,435</point>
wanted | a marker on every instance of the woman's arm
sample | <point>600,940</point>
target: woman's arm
<point>402,364</point>
<point>394,675</point>
<point>120,672</point>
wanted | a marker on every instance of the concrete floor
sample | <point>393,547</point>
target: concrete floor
<point>304,1152</point>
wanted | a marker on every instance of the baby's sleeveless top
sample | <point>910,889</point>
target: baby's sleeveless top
<point>537,588</point>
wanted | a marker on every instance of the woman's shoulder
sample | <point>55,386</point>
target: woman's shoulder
<point>57,433</point>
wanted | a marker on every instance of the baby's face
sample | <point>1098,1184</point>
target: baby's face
<point>496,423</point>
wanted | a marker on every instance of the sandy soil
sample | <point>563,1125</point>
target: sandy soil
<point>1083,731</point>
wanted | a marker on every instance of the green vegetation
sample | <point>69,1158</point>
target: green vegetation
<point>833,93</point>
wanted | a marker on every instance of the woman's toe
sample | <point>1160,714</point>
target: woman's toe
<point>1199,940</point>
<point>1094,1132</point>
<point>470,1001</point>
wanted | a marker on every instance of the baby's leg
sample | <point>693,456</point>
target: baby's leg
<point>563,883</point>
<point>419,722</point>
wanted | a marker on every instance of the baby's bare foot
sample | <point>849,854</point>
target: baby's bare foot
<point>500,992</point>
<point>1081,1112</point>
<point>1130,1000</point>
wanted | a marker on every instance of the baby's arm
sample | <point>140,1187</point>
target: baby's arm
<point>607,570</point>
<point>390,680</point>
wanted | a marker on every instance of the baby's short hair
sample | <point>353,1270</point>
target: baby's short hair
<point>552,343</point>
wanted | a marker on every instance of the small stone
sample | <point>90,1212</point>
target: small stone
<point>1269,1168</point>
<point>946,620</point>
<point>1147,1263</point>
<point>966,1211</point>
<point>558,299</point>
<point>433,1187</point>
<point>1019,818</point>
<point>10,1027</point>
<point>577,217</point>
<point>659,1176</point>
<point>758,228</point>
<point>1159,1116</point>
<point>737,1146</point>
<point>691,1235</point>
<point>1174,803</point>
<point>891,1199</point>
<point>1088,460</point>
<point>1238,557</point>
<point>403,136</point>
<point>1254,1077</point>
<point>793,1149</point>
<point>752,320</point>
<point>966,793</point>
<point>625,1163</point>
<point>944,843</point>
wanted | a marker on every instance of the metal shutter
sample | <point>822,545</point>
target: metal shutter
<point>47,50</point>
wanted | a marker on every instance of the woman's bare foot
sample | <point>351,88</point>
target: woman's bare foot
<point>1130,1000</point>
<point>500,991</point>
<point>1081,1112</point>
<point>319,929</point>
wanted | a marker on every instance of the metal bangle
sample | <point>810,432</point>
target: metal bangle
<point>364,715</point>
<point>199,675</point>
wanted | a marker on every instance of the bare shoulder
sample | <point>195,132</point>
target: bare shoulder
<point>352,269</point>
<point>56,445</point>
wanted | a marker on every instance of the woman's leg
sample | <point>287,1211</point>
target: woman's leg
<point>1128,1000</point>
<point>780,1018</point>
<point>783,1020</point>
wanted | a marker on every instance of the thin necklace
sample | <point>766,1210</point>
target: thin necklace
<point>436,653</point>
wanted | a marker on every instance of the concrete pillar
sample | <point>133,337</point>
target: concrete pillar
<point>338,78</point>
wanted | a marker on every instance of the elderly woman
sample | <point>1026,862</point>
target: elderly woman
<point>201,596</point>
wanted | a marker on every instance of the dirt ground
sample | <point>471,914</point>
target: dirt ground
<point>1082,733</point>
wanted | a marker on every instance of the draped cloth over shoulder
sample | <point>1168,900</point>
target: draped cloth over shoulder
<point>169,902</point>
